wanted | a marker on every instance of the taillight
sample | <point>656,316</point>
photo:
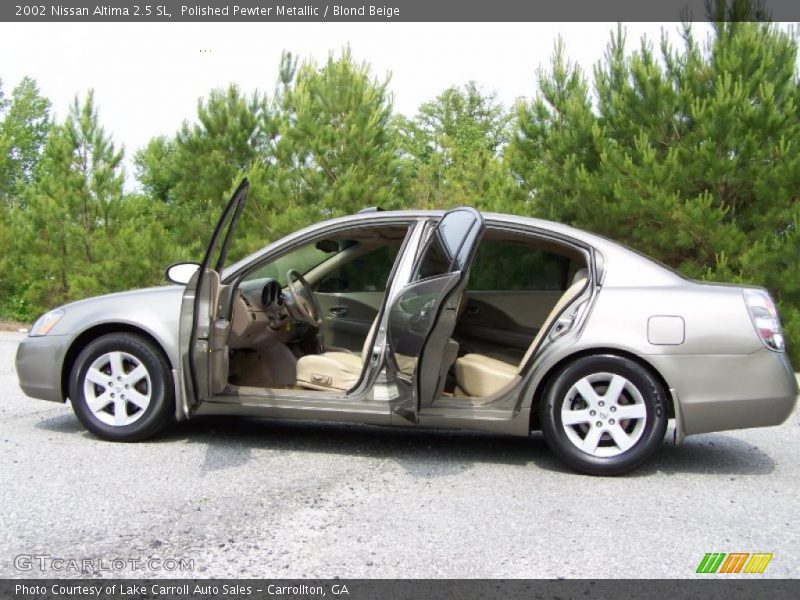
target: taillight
<point>765,318</point>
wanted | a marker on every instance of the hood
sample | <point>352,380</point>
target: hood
<point>144,294</point>
<point>152,309</point>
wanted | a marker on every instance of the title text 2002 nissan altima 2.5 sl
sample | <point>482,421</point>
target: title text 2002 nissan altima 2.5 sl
<point>425,319</point>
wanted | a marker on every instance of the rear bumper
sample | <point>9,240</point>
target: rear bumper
<point>721,392</point>
<point>39,362</point>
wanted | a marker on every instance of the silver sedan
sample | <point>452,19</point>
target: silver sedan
<point>425,319</point>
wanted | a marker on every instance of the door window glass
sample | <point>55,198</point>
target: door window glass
<point>450,244</point>
<point>516,266</point>
<point>366,273</point>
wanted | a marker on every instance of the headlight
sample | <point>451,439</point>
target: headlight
<point>46,322</point>
<point>765,318</point>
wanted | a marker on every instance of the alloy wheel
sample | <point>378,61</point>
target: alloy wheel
<point>117,388</point>
<point>603,414</point>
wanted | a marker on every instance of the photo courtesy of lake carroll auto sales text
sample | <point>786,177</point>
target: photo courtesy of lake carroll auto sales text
<point>425,299</point>
<point>136,590</point>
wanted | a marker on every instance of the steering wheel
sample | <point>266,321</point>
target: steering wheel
<point>304,302</point>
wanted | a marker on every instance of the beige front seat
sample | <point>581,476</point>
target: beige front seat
<point>479,376</point>
<point>333,370</point>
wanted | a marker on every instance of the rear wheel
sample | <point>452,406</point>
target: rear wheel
<point>121,388</point>
<point>604,414</point>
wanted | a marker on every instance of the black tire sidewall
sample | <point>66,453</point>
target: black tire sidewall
<point>654,400</point>
<point>157,414</point>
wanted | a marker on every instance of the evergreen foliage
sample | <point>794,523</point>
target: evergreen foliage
<point>687,151</point>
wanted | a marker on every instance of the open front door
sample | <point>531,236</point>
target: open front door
<point>203,332</point>
<point>423,314</point>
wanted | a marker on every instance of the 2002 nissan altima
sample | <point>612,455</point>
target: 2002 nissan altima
<point>457,320</point>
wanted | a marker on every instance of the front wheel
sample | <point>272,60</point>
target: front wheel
<point>604,414</point>
<point>121,388</point>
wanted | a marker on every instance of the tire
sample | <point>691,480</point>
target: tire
<point>121,388</point>
<point>581,421</point>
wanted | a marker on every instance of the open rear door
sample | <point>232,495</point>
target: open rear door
<point>202,334</point>
<point>423,314</point>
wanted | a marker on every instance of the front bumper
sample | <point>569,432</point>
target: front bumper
<point>721,392</point>
<point>39,364</point>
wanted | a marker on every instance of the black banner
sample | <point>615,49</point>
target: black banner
<point>381,10</point>
<point>714,588</point>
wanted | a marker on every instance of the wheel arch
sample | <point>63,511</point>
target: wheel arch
<point>87,336</point>
<point>541,388</point>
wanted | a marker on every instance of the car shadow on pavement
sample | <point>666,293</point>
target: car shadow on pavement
<point>427,453</point>
<point>421,453</point>
<point>63,423</point>
<point>710,453</point>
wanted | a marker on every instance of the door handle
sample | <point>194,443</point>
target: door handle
<point>338,311</point>
<point>473,310</point>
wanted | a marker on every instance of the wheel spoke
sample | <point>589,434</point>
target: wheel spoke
<point>120,411</point>
<point>117,370</point>
<point>592,439</point>
<point>135,376</point>
<point>620,437</point>
<point>138,399</point>
<point>614,389</point>
<point>631,411</point>
<point>97,377</point>
<point>574,417</point>
<point>587,391</point>
<point>98,403</point>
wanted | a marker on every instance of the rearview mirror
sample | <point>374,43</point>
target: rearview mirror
<point>327,246</point>
<point>182,272</point>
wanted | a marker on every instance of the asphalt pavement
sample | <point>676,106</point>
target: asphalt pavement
<point>235,497</point>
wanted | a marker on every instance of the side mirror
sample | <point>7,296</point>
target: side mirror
<point>182,272</point>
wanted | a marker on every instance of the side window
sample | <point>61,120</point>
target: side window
<point>515,266</point>
<point>366,273</point>
<point>449,246</point>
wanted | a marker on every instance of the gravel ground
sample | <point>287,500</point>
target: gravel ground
<point>260,498</point>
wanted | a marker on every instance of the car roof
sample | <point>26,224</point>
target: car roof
<point>599,242</point>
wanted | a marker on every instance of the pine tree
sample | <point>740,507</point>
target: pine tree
<point>70,212</point>
<point>454,147</point>
<point>337,151</point>
<point>691,158</point>
<point>156,170</point>
<point>23,131</point>
<point>196,171</point>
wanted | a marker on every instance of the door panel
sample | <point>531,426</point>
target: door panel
<point>411,320</point>
<point>510,310</point>
<point>422,316</point>
<point>203,335</point>
<point>347,318</point>
<point>502,324</point>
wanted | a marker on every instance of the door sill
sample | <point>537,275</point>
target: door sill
<point>236,394</point>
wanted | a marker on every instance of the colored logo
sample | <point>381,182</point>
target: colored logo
<point>735,562</point>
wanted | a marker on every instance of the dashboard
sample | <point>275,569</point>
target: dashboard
<point>260,315</point>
